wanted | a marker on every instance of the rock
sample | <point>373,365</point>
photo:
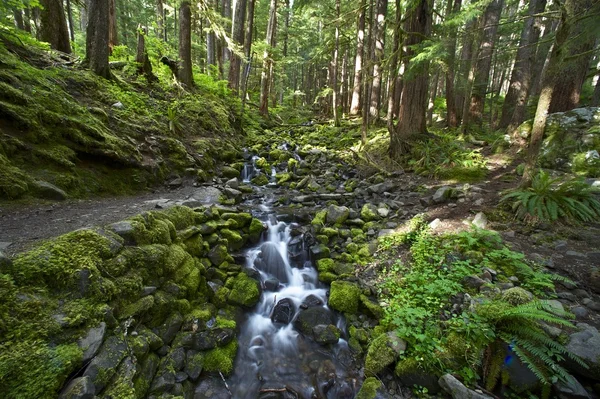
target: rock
<point>369,212</point>
<point>310,318</point>
<point>79,388</point>
<point>271,284</point>
<point>177,182</point>
<point>575,254</point>
<point>284,311</point>
<point>344,296</point>
<point>218,254</point>
<point>337,214</point>
<point>193,364</point>
<point>233,183</point>
<point>517,296</point>
<point>383,212</point>
<point>581,293</point>
<point>580,312</point>
<point>92,342</point>
<point>163,383</point>
<point>169,329</point>
<point>594,281</point>
<point>233,193</point>
<point>230,172</point>
<point>479,202</point>
<point>435,224</point>
<point>118,105</point>
<point>457,390</point>
<point>595,306</point>
<point>245,291</point>
<point>380,188</point>
<point>521,378</point>
<point>5,262</point>
<point>104,365</point>
<point>473,282</point>
<point>568,296</point>
<point>572,389</point>
<point>4,245</point>
<point>49,191</point>
<point>203,196</point>
<point>326,334</point>
<point>319,251</point>
<point>212,388</point>
<point>442,195</point>
<point>383,351</point>
<point>480,221</point>
<point>311,301</point>
<point>586,345</point>
<point>371,389</point>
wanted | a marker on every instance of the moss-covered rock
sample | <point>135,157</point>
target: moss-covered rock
<point>245,291</point>
<point>234,239</point>
<point>319,219</point>
<point>383,351</point>
<point>230,172</point>
<point>260,180</point>
<point>369,212</point>
<point>344,296</point>
<point>221,359</point>
<point>242,219</point>
<point>369,388</point>
<point>141,306</point>
<point>517,296</point>
<point>255,230</point>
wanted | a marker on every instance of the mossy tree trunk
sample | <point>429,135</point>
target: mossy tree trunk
<point>334,67</point>
<point>96,46</point>
<point>185,44</point>
<point>413,105</point>
<point>53,27</point>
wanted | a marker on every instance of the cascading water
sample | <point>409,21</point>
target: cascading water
<point>274,358</point>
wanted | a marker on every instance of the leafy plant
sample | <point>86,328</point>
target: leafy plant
<point>551,199</point>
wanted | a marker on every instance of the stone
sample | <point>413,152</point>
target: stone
<point>337,214</point>
<point>49,191</point>
<point>271,284</point>
<point>580,312</point>
<point>92,342</point>
<point>233,193</point>
<point>575,254</point>
<point>595,306</point>
<point>581,293</point>
<point>572,389</point>
<point>4,245</point>
<point>309,318</point>
<point>319,251</point>
<point>211,388</point>
<point>457,390</point>
<point>383,212</point>
<point>585,344</point>
<point>284,311</point>
<point>163,383</point>
<point>230,172</point>
<point>204,196</point>
<point>326,334</point>
<point>218,254</point>
<point>233,183</point>
<point>442,195</point>
<point>177,182</point>
<point>104,365</point>
<point>79,388</point>
<point>311,301</point>
<point>568,296</point>
<point>435,224</point>
<point>521,377</point>
<point>169,329</point>
<point>369,213</point>
<point>383,351</point>
<point>480,221</point>
<point>344,296</point>
<point>473,282</point>
<point>594,281</point>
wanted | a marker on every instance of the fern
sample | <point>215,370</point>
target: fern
<point>551,199</point>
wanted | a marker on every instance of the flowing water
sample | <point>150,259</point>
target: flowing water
<point>275,360</point>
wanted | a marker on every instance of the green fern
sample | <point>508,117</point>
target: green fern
<point>551,199</point>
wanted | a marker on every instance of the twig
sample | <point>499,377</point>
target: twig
<point>225,382</point>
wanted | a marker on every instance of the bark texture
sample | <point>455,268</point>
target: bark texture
<point>267,73</point>
<point>96,47</point>
<point>358,62</point>
<point>185,44</point>
<point>238,39</point>
<point>378,47</point>
<point>53,27</point>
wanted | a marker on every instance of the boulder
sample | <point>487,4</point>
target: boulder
<point>229,172</point>
<point>284,311</point>
<point>169,329</point>
<point>203,196</point>
<point>233,194</point>
<point>104,365</point>
<point>369,212</point>
<point>92,342</point>
<point>480,221</point>
<point>571,389</point>
<point>49,191</point>
<point>457,390</point>
<point>79,388</point>
<point>233,183</point>
<point>585,344</point>
<point>383,351</point>
<point>344,296</point>
<point>245,291</point>
<point>337,214</point>
<point>442,195</point>
<point>311,301</point>
<point>326,334</point>
<point>212,388</point>
<point>310,318</point>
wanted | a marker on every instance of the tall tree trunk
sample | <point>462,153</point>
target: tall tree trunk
<point>211,42</point>
<point>358,63</point>
<point>141,57</point>
<point>83,15</point>
<point>54,28</point>
<point>451,112</point>
<point>432,96</point>
<point>491,18</point>
<point>413,105</point>
<point>238,38</point>
<point>37,17</point>
<point>265,80</point>
<point>27,19</point>
<point>226,12</point>
<point>555,69</point>
<point>521,73</point>
<point>70,19</point>
<point>185,44</point>
<point>160,19</point>
<point>248,45</point>
<point>567,87</point>
<point>542,56</point>
<point>334,66</point>
<point>344,83</point>
<point>378,46</point>
<point>96,46</point>
<point>18,14</point>
<point>113,38</point>
<point>596,96</point>
<point>465,63</point>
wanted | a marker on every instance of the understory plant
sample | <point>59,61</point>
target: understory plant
<point>550,199</point>
<point>452,328</point>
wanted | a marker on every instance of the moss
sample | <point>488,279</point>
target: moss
<point>244,291</point>
<point>255,230</point>
<point>221,359</point>
<point>262,164</point>
<point>150,229</point>
<point>369,388</point>
<point>374,309</point>
<point>325,265</point>
<point>181,216</point>
<point>516,296</point>
<point>380,354</point>
<point>176,256</point>
<point>344,296</point>
<point>319,219</point>
<point>13,182</point>
<point>369,213</point>
<point>234,239</point>
<point>283,177</point>
<point>260,180</point>
<point>230,172</point>
<point>330,232</point>
<point>242,219</point>
<point>328,277</point>
<point>352,248</point>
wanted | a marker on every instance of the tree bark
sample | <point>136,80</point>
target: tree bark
<point>392,105</point>
<point>334,66</point>
<point>226,12</point>
<point>70,19</point>
<point>413,105</point>
<point>491,18</point>
<point>555,69</point>
<point>248,45</point>
<point>521,73</point>
<point>27,19</point>
<point>211,43</point>
<point>542,56</point>
<point>160,19</point>
<point>141,57</point>
<point>185,44</point>
<point>465,63</point>
<point>238,39</point>
<point>358,63</point>
<point>113,38</point>
<point>378,47</point>
<point>451,112</point>
<point>96,48</point>
<point>18,14</point>
<point>54,28</point>
<point>266,77</point>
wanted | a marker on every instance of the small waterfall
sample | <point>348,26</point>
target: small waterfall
<point>272,353</point>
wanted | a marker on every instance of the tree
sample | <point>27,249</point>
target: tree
<point>238,39</point>
<point>451,112</point>
<point>113,38</point>
<point>358,63</point>
<point>267,73</point>
<point>393,99</point>
<point>160,19</point>
<point>70,19</point>
<point>413,105</point>
<point>378,38</point>
<point>248,45</point>
<point>335,102</point>
<point>185,44</point>
<point>141,57</point>
<point>53,27</point>
<point>96,45</point>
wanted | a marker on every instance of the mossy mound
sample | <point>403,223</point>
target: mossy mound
<point>344,297</point>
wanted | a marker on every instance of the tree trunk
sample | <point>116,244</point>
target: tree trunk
<point>567,87</point>
<point>596,96</point>
<point>451,113</point>
<point>248,45</point>
<point>521,73</point>
<point>141,57</point>
<point>344,83</point>
<point>555,69</point>
<point>37,16</point>
<point>70,19</point>
<point>334,66</point>
<point>432,96</point>
<point>160,19</point>
<point>378,47</point>
<point>27,19</point>
<point>113,38</point>
<point>211,43</point>
<point>484,62</point>
<point>54,28</point>
<point>96,46</point>
<point>465,63</point>
<point>18,14</point>
<point>185,44</point>
<point>413,105</point>
<point>226,12</point>
<point>265,80</point>
<point>542,56</point>
<point>358,63</point>
<point>238,38</point>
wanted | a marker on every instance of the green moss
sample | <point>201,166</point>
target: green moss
<point>369,388</point>
<point>255,230</point>
<point>244,291</point>
<point>176,256</point>
<point>260,180</point>
<point>230,172</point>
<point>152,228</point>
<point>181,216</point>
<point>319,219</point>
<point>137,308</point>
<point>325,265</point>
<point>374,309</point>
<point>329,232</point>
<point>328,277</point>
<point>234,239</point>
<point>221,359</point>
<point>344,296</point>
<point>242,219</point>
<point>262,164</point>
<point>369,213</point>
<point>516,296</point>
<point>283,177</point>
<point>380,354</point>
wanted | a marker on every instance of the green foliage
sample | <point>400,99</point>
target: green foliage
<point>551,199</point>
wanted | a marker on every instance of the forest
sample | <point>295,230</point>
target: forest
<point>281,199</point>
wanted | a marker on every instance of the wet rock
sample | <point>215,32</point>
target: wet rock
<point>442,195</point>
<point>79,388</point>
<point>383,351</point>
<point>218,254</point>
<point>233,183</point>
<point>337,214</point>
<point>326,334</point>
<point>457,390</point>
<point>572,389</point>
<point>580,312</point>
<point>233,193</point>
<point>311,301</point>
<point>270,261</point>
<point>271,284</point>
<point>168,330</point>
<point>49,191</point>
<point>310,318</point>
<point>319,251</point>
<point>211,388</point>
<point>521,378</point>
<point>284,311</point>
<point>344,296</point>
<point>193,364</point>
<point>125,230</point>
<point>586,345</point>
<point>163,383</point>
<point>104,365</point>
<point>245,291</point>
<point>92,342</point>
